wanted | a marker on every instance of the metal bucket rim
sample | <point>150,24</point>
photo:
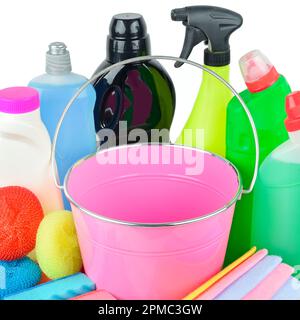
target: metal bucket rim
<point>156,225</point>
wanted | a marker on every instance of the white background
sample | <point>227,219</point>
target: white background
<point>28,26</point>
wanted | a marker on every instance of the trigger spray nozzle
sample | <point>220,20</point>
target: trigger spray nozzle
<point>211,25</point>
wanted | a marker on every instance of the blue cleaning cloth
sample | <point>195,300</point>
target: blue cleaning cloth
<point>250,280</point>
<point>18,275</point>
<point>290,291</point>
<point>61,289</point>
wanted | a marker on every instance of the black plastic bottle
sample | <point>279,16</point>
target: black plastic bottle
<point>142,94</point>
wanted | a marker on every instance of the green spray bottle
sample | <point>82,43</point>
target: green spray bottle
<point>265,99</point>
<point>206,126</point>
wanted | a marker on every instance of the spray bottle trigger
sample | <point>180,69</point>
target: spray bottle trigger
<point>193,37</point>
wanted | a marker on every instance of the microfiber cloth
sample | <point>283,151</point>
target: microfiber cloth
<point>241,287</point>
<point>232,276</point>
<point>18,275</point>
<point>61,289</point>
<point>271,284</point>
<point>290,291</point>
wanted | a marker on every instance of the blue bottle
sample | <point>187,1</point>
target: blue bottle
<point>56,87</point>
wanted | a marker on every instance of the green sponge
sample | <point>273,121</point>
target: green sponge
<point>57,248</point>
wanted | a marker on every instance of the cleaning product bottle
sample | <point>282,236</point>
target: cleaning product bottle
<point>265,99</point>
<point>276,207</point>
<point>208,118</point>
<point>141,95</point>
<point>56,87</point>
<point>26,147</point>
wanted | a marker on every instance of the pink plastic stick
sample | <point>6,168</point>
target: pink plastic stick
<point>271,284</point>
<point>235,274</point>
<point>95,295</point>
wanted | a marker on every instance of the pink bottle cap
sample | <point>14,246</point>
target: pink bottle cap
<point>258,72</point>
<point>18,100</point>
<point>292,122</point>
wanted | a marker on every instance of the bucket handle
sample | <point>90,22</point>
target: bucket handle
<point>142,59</point>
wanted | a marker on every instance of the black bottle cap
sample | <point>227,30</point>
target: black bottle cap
<point>128,37</point>
<point>216,59</point>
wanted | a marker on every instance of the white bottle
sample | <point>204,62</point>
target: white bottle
<point>25,147</point>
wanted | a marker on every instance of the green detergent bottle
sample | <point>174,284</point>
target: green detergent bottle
<point>265,99</point>
<point>276,208</point>
<point>206,126</point>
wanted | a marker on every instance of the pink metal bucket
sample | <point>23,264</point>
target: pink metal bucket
<point>150,231</point>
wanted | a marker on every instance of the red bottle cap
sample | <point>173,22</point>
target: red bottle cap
<point>258,72</point>
<point>292,122</point>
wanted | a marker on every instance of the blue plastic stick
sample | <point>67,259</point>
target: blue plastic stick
<point>290,291</point>
<point>61,289</point>
<point>250,280</point>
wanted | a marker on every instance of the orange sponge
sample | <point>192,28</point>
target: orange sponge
<point>20,216</point>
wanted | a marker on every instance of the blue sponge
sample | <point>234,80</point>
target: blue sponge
<point>60,289</point>
<point>18,275</point>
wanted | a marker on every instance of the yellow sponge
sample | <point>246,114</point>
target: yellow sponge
<point>57,248</point>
